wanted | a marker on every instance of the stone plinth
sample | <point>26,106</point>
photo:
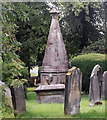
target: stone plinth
<point>50,93</point>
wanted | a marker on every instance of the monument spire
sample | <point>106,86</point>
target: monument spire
<point>55,60</point>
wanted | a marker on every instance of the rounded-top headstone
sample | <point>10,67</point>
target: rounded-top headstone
<point>95,85</point>
<point>7,94</point>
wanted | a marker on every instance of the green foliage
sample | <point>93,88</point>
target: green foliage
<point>31,94</point>
<point>5,108</point>
<point>16,82</point>
<point>79,26</point>
<point>33,32</point>
<point>29,89</point>
<point>99,46</point>
<point>13,70</point>
<point>86,63</point>
<point>0,68</point>
<point>13,67</point>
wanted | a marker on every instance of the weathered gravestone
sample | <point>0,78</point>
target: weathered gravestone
<point>73,91</point>
<point>7,94</point>
<point>104,86</point>
<point>95,86</point>
<point>18,98</point>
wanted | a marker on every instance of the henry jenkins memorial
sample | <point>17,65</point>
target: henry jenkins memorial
<point>55,62</point>
<point>54,66</point>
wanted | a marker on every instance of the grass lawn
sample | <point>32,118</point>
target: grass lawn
<point>55,110</point>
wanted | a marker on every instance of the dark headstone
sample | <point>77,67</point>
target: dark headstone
<point>73,91</point>
<point>55,60</point>
<point>50,93</point>
<point>18,98</point>
<point>95,85</point>
<point>104,86</point>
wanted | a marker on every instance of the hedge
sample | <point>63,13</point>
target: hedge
<point>86,63</point>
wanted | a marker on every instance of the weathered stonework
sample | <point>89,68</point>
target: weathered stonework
<point>7,94</point>
<point>73,91</point>
<point>55,61</point>
<point>95,85</point>
<point>18,98</point>
<point>50,93</point>
<point>57,78</point>
<point>54,66</point>
<point>104,86</point>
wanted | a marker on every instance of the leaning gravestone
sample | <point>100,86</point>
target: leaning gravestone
<point>18,98</point>
<point>104,86</point>
<point>7,94</point>
<point>95,86</point>
<point>73,91</point>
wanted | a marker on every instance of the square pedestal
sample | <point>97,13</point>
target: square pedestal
<point>50,93</point>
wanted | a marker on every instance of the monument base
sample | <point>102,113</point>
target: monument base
<point>50,93</point>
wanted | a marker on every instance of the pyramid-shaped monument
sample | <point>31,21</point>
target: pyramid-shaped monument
<point>55,62</point>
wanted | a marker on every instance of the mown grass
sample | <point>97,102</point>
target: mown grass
<point>29,89</point>
<point>6,114</point>
<point>55,110</point>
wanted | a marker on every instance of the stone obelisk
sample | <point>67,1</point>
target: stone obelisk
<point>55,62</point>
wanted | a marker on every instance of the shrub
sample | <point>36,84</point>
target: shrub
<point>86,63</point>
<point>14,69</point>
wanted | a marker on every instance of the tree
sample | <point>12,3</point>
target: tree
<point>14,71</point>
<point>13,67</point>
<point>33,33</point>
<point>99,46</point>
<point>81,25</point>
